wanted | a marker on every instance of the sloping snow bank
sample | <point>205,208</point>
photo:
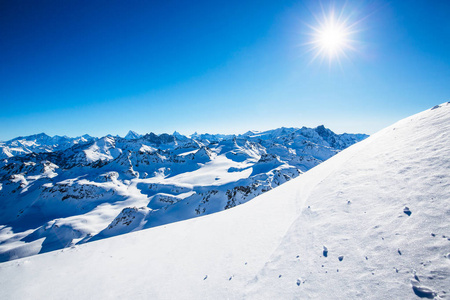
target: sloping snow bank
<point>376,228</point>
<point>372,222</point>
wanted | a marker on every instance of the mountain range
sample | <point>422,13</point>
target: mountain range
<point>56,192</point>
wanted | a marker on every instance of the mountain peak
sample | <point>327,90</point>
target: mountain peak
<point>132,135</point>
<point>41,135</point>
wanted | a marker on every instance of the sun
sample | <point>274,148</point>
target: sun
<point>332,37</point>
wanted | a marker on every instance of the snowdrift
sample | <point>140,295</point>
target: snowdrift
<point>371,222</point>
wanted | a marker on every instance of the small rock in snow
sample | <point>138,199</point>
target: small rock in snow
<point>423,292</point>
<point>407,211</point>
<point>325,251</point>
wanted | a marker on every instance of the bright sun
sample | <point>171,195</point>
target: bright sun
<point>332,37</point>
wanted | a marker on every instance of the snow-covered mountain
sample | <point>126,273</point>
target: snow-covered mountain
<point>132,135</point>
<point>38,143</point>
<point>59,195</point>
<point>369,223</point>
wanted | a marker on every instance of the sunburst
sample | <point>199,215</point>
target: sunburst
<point>333,37</point>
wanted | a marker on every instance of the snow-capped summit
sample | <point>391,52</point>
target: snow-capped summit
<point>179,136</point>
<point>369,223</point>
<point>251,133</point>
<point>132,135</point>
<point>162,139</point>
<point>211,137</point>
<point>87,137</point>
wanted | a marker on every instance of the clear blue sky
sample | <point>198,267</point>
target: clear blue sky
<point>104,67</point>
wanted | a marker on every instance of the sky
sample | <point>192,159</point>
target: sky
<point>106,67</point>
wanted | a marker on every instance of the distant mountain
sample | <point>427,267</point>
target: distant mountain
<point>60,191</point>
<point>132,135</point>
<point>38,143</point>
<point>211,137</point>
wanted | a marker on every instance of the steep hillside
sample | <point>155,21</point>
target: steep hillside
<point>371,222</point>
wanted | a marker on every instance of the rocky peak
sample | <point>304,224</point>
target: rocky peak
<point>132,135</point>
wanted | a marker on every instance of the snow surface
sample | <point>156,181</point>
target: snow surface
<point>371,222</point>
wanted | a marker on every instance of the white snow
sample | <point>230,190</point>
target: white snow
<point>146,148</point>
<point>102,149</point>
<point>214,172</point>
<point>39,143</point>
<point>353,205</point>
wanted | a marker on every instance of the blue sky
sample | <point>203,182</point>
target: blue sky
<point>104,67</point>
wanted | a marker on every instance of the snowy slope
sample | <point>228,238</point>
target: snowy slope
<point>371,222</point>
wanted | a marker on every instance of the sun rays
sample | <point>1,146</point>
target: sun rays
<point>332,37</point>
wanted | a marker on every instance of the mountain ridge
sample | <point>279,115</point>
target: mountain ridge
<point>51,143</point>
